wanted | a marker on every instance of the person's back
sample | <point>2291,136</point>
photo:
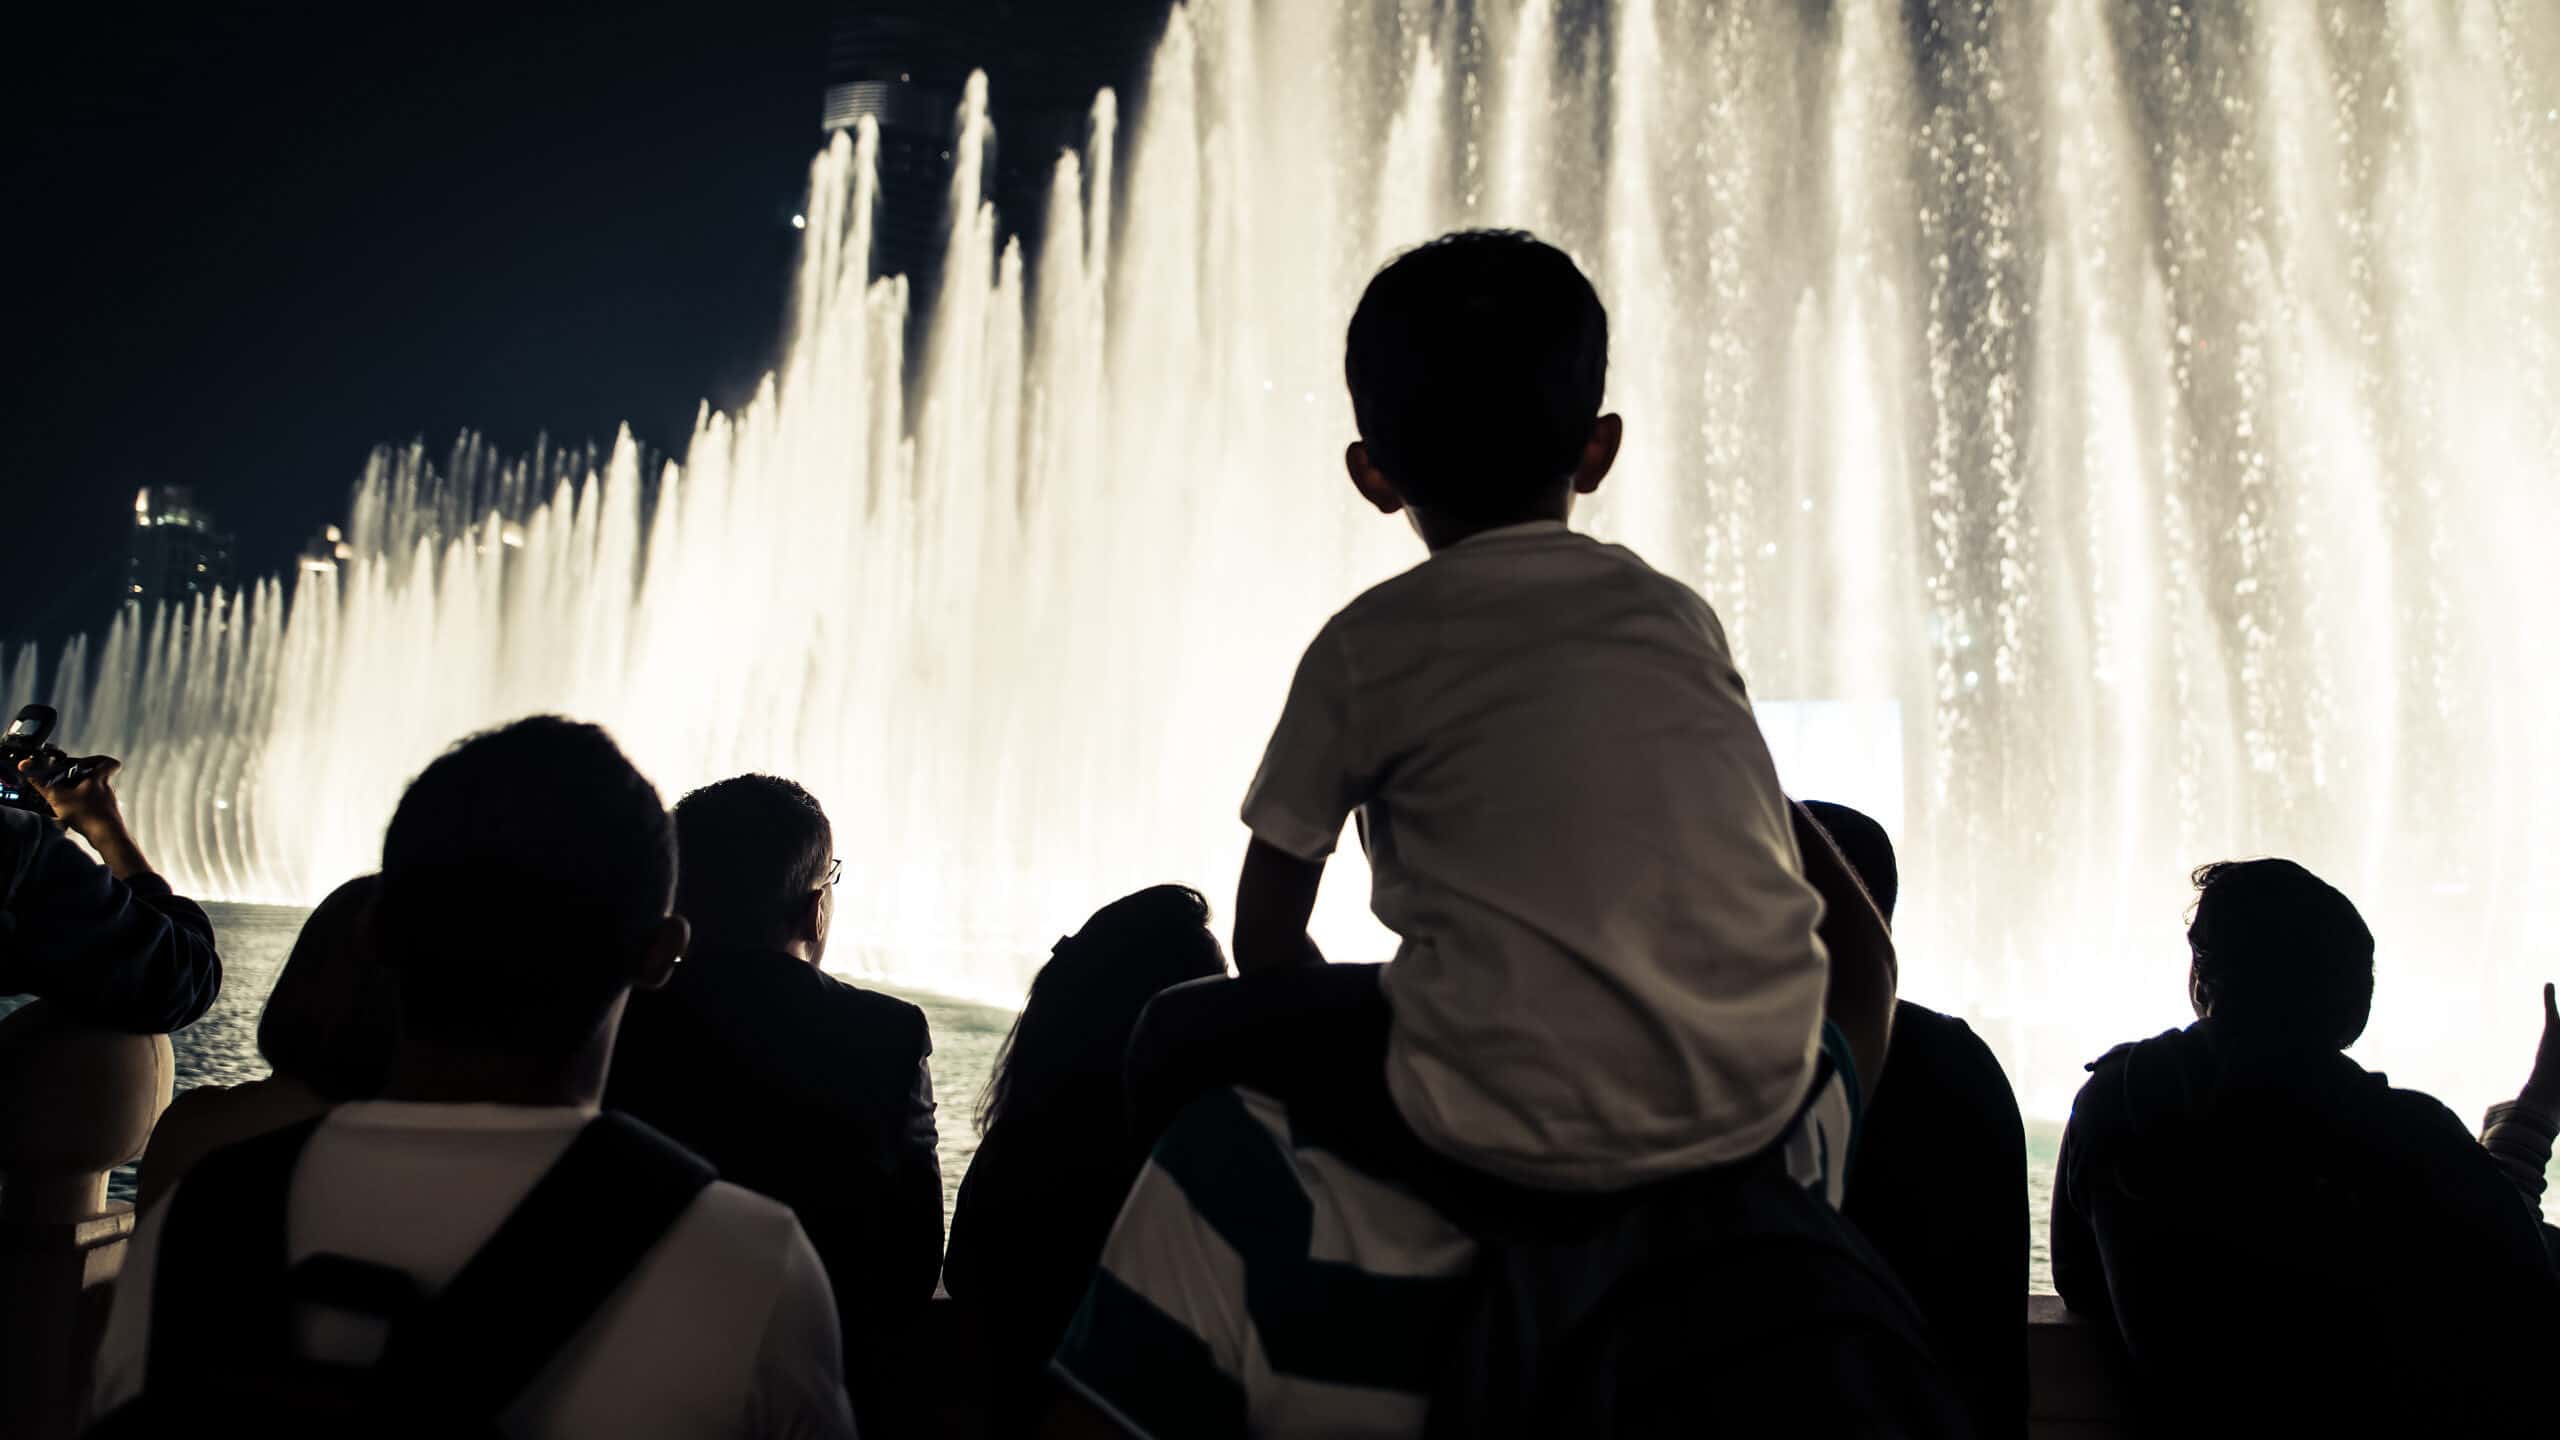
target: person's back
<point>793,1083</point>
<point>525,888</point>
<point>1609,971</point>
<point>2277,1235</point>
<point>1056,1154</point>
<point>1940,1172</point>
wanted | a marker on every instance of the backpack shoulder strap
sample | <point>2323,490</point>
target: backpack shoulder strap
<point>556,1260</point>
<point>218,1292</point>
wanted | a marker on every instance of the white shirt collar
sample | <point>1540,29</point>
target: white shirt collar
<point>1523,530</point>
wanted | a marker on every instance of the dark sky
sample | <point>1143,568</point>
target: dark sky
<point>246,247</point>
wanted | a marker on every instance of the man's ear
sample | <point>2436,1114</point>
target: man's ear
<point>660,952</point>
<point>815,912</point>
<point>1370,481</point>
<point>1598,454</point>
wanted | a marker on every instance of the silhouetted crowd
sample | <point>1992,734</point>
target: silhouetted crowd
<point>569,1135</point>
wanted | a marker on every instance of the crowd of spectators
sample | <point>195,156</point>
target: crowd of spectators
<point>569,1134</point>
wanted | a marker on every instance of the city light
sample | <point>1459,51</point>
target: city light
<point>799,222</point>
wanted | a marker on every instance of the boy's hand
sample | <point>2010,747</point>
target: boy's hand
<point>2542,1088</point>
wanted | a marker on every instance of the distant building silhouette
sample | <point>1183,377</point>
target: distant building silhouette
<point>904,62</point>
<point>174,553</point>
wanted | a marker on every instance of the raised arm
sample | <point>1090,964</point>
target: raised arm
<point>2519,1133</point>
<point>108,944</point>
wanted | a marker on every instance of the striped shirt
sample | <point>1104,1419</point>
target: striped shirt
<point>1257,1285</point>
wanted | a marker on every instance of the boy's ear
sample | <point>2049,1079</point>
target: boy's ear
<point>1370,481</point>
<point>1598,454</point>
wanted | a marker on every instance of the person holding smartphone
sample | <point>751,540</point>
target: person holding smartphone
<point>104,940</point>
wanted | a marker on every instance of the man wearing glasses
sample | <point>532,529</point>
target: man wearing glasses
<point>790,1081</point>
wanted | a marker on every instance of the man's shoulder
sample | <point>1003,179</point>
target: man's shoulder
<point>2167,1042</point>
<point>731,1237</point>
<point>741,1218</point>
<point>2423,1115</point>
<point>882,1018</point>
<point>1957,1059</point>
<point>2103,1108</point>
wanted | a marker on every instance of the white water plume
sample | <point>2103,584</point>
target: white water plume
<point>2154,405</point>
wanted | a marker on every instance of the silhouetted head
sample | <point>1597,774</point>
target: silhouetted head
<point>2277,953</point>
<point>1476,365</point>
<point>1865,846</point>
<point>757,855</point>
<point>1084,1002</point>
<point>333,1017</point>
<point>525,882</point>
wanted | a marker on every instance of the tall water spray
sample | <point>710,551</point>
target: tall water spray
<point>2150,407</point>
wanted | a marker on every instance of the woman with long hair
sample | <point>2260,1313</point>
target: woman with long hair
<point>1056,1154</point>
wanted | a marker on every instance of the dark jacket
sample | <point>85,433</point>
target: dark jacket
<point>1935,1187</point>
<point>819,1094</point>
<point>121,954</point>
<point>2280,1239</point>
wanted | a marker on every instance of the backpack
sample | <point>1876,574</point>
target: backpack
<point>222,1358</point>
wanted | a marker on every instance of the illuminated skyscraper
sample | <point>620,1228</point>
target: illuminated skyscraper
<point>903,64</point>
<point>175,553</point>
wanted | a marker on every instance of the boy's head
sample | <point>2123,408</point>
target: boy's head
<point>1476,365</point>
<point>525,884</point>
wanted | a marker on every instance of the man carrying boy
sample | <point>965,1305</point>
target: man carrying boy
<point>1609,971</point>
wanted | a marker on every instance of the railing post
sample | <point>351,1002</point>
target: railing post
<point>75,1103</point>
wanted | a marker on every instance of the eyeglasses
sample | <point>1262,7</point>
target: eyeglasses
<point>835,871</point>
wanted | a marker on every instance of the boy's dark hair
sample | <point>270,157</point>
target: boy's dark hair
<point>519,872</point>
<point>2278,952</point>
<point>1476,364</point>
<point>753,847</point>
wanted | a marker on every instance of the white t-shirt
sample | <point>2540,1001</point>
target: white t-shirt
<point>1608,971</point>
<point>727,1328</point>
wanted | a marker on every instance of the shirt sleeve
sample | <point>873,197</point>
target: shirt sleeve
<point>1307,785</point>
<point>2518,1137</point>
<point>125,955</point>
<point>799,1389</point>
<point>920,1179</point>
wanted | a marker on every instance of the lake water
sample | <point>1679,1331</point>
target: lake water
<point>222,1049</point>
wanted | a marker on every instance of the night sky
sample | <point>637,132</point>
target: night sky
<point>247,247</point>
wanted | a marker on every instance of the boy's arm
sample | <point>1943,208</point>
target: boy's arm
<point>1863,977</point>
<point>1275,896</point>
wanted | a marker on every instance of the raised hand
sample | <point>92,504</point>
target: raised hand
<point>2542,1088</point>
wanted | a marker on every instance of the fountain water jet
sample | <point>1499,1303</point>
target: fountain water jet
<point>2152,406</point>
